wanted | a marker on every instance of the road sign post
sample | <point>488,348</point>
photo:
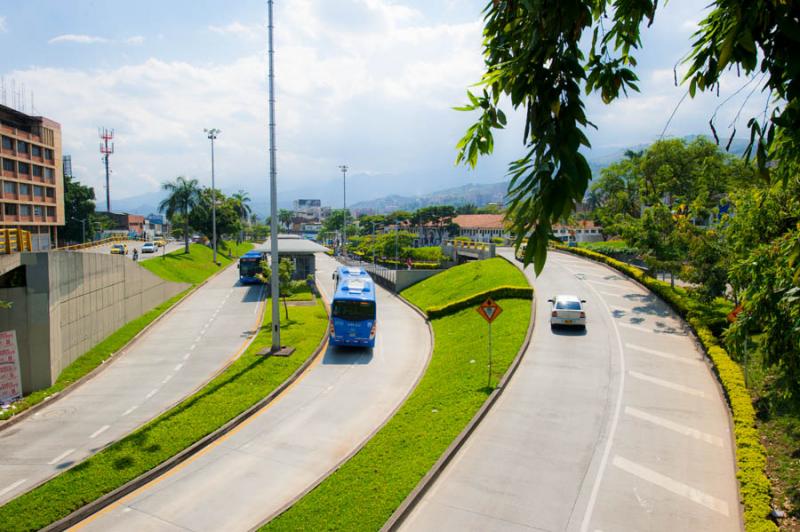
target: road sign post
<point>489,310</point>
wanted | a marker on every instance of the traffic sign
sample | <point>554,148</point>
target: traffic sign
<point>489,310</point>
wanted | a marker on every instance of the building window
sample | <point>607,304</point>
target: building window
<point>8,143</point>
<point>48,173</point>
<point>37,210</point>
<point>51,211</point>
<point>22,146</point>
<point>36,151</point>
<point>8,165</point>
<point>51,192</point>
<point>24,210</point>
<point>9,187</point>
<point>11,209</point>
<point>38,191</point>
<point>37,170</point>
<point>24,168</point>
<point>48,154</point>
<point>24,189</point>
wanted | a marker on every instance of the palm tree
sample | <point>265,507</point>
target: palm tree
<point>240,202</point>
<point>285,218</point>
<point>184,195</point>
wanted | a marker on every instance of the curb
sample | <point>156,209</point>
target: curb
<point>105,363</point>
<point>369,437</point>
<point>416,495</point>
<point>114,496</point>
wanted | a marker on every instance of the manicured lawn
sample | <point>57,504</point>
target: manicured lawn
<point>241,385</point>
<point>464,280</point>
<point>364,492</point>
<point>608,244</point>
<point>196,266</point>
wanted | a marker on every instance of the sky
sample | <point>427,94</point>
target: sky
<point>366,83</point>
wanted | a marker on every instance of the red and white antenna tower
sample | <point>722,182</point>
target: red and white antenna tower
<point>106,150</point>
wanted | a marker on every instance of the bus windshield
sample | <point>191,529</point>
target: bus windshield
<point>249,268</point>
<point>354,310</point>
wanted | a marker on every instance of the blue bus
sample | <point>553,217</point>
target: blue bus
<point>353,309</point>
<point>249,266</point>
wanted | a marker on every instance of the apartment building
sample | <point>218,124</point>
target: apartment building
<point>32,190</point>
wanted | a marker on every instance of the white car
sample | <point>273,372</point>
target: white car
<point>567,310</point>
<point>149,247</point>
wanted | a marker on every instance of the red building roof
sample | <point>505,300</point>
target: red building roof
<point>480,221</point>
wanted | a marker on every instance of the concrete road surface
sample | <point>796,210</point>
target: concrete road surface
<point>622,427</point>
<point>170,361</point>
<point>135,244</point>
<point>298,439</point>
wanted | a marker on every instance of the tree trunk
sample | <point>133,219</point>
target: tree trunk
<point>186,232</point>
<point>286,309</point>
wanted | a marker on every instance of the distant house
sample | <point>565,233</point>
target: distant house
<point>123,221</point>
<point>482,227</point>
<point>583,231</point>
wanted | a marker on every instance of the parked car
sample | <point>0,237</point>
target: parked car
<point>149,247</point>
<point>567,310</point>
<point>119,249</point>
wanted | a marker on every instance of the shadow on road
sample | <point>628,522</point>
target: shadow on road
<point>567,331</point>
<point>350,356</point>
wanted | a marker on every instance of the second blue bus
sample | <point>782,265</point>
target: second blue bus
<point>353,309</point>
<point>250,266</point>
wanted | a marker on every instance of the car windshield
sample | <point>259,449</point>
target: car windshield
<point>354,310</point>
<point>249,268</point>
<point>568,304</point>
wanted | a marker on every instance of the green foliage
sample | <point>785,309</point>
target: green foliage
<point>754,486</point>
<point>183,195</point>
<point>247,380</point>
<point>465,279</point>
<point>228,219</point>
<point>286,286</point>
<point>472,301</point>
<point>535,56</point>
<point>364,492</point>
<point>79,212</point>
<point>194,267</point>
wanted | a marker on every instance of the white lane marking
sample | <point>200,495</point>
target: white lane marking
<point>667,384</point>
<point>673,426</point>
<point>672,485</point>
<point>151,394</point>
<point>662,354</point>
<point>598,479</point>
<point>13,486</point>
<point>186,356</point>
<point>192,348</point>
<point>166,379</point>
<point>613,295</point>
<point>656,330</point>
<point>99,431</point>
<point>60,457</point>
<point>128,411</point>
<point>179,366</point>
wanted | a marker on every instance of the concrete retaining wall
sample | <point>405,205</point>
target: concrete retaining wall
<point>71,302</point>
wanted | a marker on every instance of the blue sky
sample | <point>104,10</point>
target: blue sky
<point>369,83</point>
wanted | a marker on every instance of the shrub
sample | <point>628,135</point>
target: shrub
<point>501,292</point>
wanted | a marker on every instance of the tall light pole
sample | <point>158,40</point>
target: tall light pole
<point>212,136</point>
<point>273,197</point>
<point>344,169</point>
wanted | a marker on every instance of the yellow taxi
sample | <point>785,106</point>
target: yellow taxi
<point>119,249</point>
<point>160,242</point>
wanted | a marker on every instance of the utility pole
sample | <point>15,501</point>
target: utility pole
<point>344,169</point>
<point>273,199</point>
<point>212,136</point>
<point>105,136</point>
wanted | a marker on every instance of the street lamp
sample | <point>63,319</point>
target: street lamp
<point>212,136</point>
<point>344,169</point>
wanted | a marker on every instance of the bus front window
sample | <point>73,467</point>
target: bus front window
<point>354,310</point>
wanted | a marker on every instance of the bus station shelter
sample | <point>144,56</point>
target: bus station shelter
<point>300,250</point>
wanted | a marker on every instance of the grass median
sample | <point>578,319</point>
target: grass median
<point>364,492</point>
<point>176,266</point>
<point>241,385</point>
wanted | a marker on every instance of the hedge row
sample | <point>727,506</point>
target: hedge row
<point>500,292</point>
<point>751,457</point>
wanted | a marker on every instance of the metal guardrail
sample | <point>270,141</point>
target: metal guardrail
<point>14,241</point>
<point>386,277</point>
<point>116,238</point>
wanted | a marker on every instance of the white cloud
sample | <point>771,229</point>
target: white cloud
<point>236,28</point>
<point>2,24</point>
<point>81,39</point>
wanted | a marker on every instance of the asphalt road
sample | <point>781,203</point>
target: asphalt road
<point>293,443</point>
<point>137,244</point>
<point>622,427</point>
<point>175,357</point>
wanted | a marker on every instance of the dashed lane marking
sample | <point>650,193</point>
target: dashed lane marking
<point>13,486</point>
<point>672,485</point>
<point>667,384</point>
<point>99,431</point>
<point>166,379</point>
<point>128,411</point>
<point>673,426</point>
<point>60,457</point>
<point>178,367</point>
<point>662,354</point>
<point>151,394</point>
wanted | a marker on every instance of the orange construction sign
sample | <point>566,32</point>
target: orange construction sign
<point>489,310</point>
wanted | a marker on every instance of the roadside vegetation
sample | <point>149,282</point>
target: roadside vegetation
<point>364,492</point>
<point>248,380</point>
<point>197,265</point>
